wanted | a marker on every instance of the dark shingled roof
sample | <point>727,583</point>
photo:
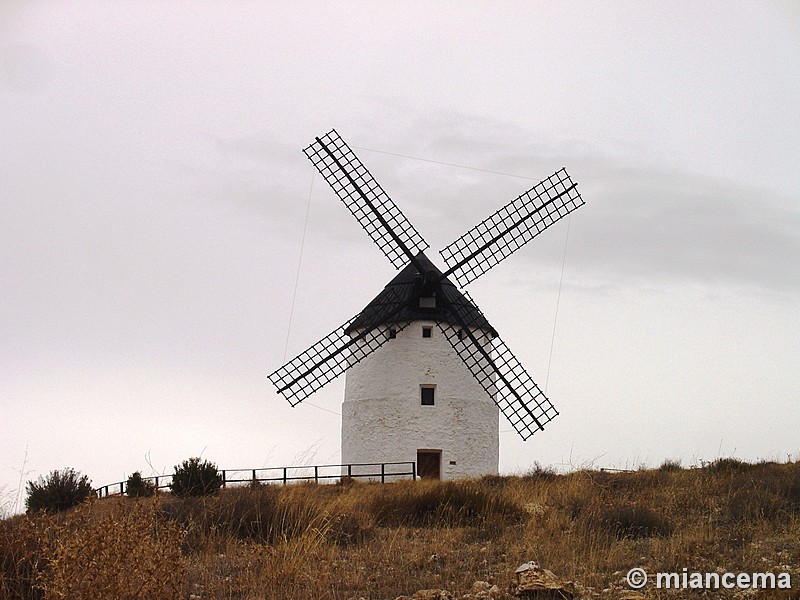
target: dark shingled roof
<point>400,301</point>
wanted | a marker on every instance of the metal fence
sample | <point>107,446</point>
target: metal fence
<point>383,472</point>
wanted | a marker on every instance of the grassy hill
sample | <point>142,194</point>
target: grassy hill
<point>363,540</point>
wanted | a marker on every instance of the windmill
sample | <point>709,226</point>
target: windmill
<point>427,373</point>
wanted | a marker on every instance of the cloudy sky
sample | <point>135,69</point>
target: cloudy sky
<point>155,201</point>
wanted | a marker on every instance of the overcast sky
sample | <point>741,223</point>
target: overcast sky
<point>154,198</point>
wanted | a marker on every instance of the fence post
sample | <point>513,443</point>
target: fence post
<point>316,474</point>
<point>284,475</point>
<point>223,479</point>
<point>383,472</point>
<point>254,477</point>
<point>349,470</point>
<point>414,471</point>
<point>121,488</point>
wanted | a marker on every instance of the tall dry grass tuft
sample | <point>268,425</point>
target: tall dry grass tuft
<point>23,555</point>
<point>630,520</point>
<point>271,514</point>
<point>119,550</point>
<point>442,504</point>
<point>131,551</point>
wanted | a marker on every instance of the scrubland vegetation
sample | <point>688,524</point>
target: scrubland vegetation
<point>367,540</point>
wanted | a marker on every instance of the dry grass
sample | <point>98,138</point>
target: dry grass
<point>366,540</point>
<point>111,549</point>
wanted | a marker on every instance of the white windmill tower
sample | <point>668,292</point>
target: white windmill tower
<point>427,373</point>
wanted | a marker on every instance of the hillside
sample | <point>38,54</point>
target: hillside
<point>362,540</point>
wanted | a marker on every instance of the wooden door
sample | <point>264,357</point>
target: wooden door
<point>429,464</point>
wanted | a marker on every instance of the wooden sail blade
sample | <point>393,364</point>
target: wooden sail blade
<point>511,227</point>
<point>374,210</point>
<point>499,372</point>
<point>336,352</point>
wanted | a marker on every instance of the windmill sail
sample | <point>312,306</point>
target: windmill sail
<point>499,372</point>
<point>511,227</point>
<point>334,354</point>
<point>365,199</point>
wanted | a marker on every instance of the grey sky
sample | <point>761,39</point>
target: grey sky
<point>154,197</point>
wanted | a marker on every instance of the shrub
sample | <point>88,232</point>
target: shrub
<point>576,504</point>
<point>494,481</point>
<point>541,473</point>
<point>728,465</point>
<point>767,492</point>
<point>136,487</point>
<point>242,512</point>
<point>628,520</point>
<point>195,478</point>
<point>670,465</point>
<point>442,504</point>
<point>271,514</point>
<point>59,491</point>
<point>755,504</point>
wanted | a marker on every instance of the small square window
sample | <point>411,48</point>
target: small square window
<point>392,333</point>
<point>427,302</point>
<point>426,332</point>
<point>427,396</point>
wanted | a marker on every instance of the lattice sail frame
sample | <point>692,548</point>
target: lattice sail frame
<point>331,356</point>
<point>511,227</point>
<point>503,377</point>
<point>374,210</point>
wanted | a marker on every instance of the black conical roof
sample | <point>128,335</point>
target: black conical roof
<point>400,300</point>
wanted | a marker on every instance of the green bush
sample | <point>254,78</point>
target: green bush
<point>195,478</point>
<point>137,487</point>
<point>58,491</point>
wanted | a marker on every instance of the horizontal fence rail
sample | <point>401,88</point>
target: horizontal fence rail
<point>382,472</point>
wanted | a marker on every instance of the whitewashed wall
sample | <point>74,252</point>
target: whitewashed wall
<point>383,420</point>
